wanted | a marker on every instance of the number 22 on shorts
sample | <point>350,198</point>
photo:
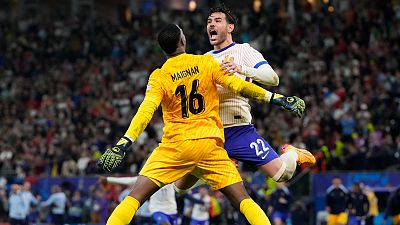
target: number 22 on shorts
<point>264,150</point>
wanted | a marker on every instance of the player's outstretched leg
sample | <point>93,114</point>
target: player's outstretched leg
<point>282,168</point>
<point>237,195</point>
<point>141,191</point>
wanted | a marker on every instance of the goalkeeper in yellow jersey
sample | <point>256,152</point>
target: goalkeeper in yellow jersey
<point>193,137</point>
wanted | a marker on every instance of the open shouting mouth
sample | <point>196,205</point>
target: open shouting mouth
<point>212,35</point>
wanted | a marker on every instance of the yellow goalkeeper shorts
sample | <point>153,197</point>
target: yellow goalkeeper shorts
<point>204,158</point>
<point>396,219</point>
<point>335,219</point>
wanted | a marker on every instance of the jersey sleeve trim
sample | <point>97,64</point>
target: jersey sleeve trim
<point>260,63</point>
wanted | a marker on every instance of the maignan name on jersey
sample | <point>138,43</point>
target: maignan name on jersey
<point>185,73</point>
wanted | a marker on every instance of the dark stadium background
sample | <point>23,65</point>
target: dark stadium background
<point>73,72</point>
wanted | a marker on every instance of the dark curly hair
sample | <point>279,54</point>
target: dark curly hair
<point>230,17</point>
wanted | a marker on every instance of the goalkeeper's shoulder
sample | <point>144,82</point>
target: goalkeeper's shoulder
<point>157,73</point>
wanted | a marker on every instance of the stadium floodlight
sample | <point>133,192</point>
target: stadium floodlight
<point>192,5</point>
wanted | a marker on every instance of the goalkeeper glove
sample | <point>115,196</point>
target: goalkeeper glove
<point>113,157</point>
<point>293,104</point>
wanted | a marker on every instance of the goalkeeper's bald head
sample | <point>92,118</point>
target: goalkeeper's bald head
<point>172,40</point>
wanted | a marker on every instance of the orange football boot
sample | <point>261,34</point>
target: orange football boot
<point>304,157</point>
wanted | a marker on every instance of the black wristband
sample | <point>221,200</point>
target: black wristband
<point>124,143</point>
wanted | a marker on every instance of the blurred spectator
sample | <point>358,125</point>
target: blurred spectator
<point>393,207</point>
<point>58,203</point>
<point>373,205</point>
<point>100,208</point>
<point>281,200</point>
<point>29,200</point>
<point>322,217</point>
<point>358,205</point>
<point>83,161</point>
<point>75,209</point>
<point>187,208</point>
<point>336,203</point>
<point>299,214</point>
<point>17,206</point>
<point>3,205</point>
<point>201,206</point>
<point>216,212</point>
<point>89,204</point>
<point>69,167</point>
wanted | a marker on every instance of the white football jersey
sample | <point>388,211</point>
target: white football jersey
<point>201,211</point>
<point>164,201</point>
<point>234,109</point>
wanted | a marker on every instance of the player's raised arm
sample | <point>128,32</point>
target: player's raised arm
<point>262,73</point>
<point>112,158</point>
<point>152,100</point>
<point>255,67</point>
<point>252,91</point>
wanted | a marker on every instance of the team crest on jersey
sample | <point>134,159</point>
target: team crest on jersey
<point>228,59</point>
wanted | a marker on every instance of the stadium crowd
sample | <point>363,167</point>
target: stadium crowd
<point>70,87</point>
<point>64,205</point>
<point>94,205</point>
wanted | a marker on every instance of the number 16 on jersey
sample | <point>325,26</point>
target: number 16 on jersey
<point>195,102</point>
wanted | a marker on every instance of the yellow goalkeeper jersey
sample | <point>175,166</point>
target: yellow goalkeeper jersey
<point>186,88</point>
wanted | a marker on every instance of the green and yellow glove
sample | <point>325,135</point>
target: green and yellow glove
<point>293,104</point>
<point>113,157</point>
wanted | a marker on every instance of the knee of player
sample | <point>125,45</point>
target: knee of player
<point>285,173</point>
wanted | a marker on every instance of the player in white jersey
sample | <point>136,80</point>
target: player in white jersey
<point>242,141</point>
<point>201,207</point>
<point>162,204</point>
